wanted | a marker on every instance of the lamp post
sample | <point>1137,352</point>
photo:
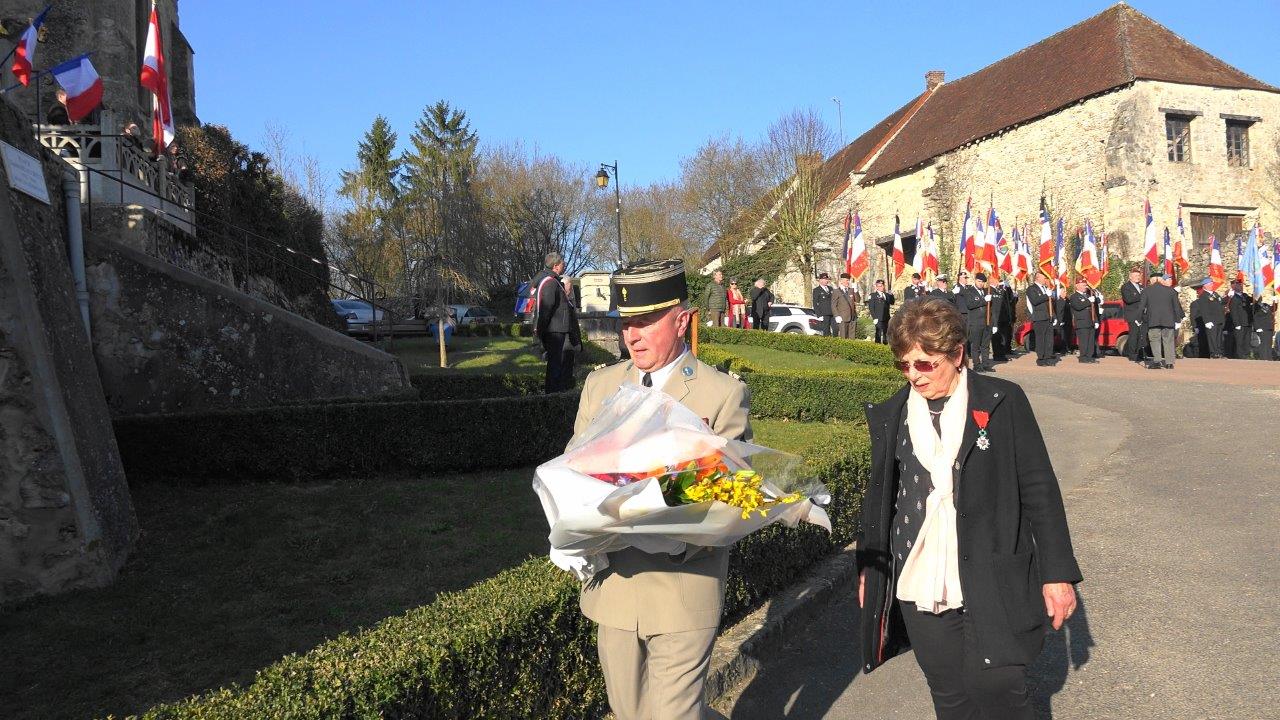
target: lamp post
<point>840,117</point>
<point>602,181</point>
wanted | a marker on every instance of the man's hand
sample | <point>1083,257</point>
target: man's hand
<point>875,321</point>
<point>1096,326</point>
<point>994,331</point>
<point>1059,602</point>
<point>987,298</point>
<point>1237,327</point>
<point>1097,298</point>
<point>1209,325</point>
<point>839,319</point>
<point>862,587</point>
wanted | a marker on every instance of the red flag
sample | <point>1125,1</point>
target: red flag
<point>156,79</point>
<point>899,257</point>
<point>25,53</point>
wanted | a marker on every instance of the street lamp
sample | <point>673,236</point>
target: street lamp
<point>602,182</point>
<point>840,115</point>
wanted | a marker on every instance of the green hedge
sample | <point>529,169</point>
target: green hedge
<point>808,394</point>
<point>513,646</point>
<point>498,330</point>
<point>303,442</point>
<point>858,351</point>
<point>459,386</point>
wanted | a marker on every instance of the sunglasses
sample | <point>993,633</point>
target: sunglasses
<point>921,366</point>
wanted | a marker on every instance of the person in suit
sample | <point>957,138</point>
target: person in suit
<point>969,580</point>
<point>556,325</point>
<point>658,614</point>
<point>1130,295</point>
<point>1042,304</point>
<point>1209,318</point>
<point>844,303</point>
<point>1239,319</point>
<point>915,291</point>
<point>1162,315</point>
<point>941,290</point>
<point>1264,328</point>
<point>879,304</point>
<point>1002,341</point>
<point>761,301</point>
<point>984,313</point>
<point>822,304</point>
<point>716,300</point>
<point>1086,314</point>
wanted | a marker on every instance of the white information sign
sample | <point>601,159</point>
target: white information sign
<point>26,174</point>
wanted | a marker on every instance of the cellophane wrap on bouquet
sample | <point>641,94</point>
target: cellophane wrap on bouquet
<point>606,492</point>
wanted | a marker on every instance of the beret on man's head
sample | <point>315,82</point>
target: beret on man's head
<point>980,276</point>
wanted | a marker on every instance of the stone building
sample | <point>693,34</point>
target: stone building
<point>1095,118</point>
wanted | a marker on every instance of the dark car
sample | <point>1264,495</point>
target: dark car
<point>1112,335</point>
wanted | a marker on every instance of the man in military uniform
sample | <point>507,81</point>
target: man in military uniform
<point>1264,327</point>
<point>658,614</point>
<point>984,312</point>
<point>1208,318</point>
<point>1130,294</point>
<point>844,303</point>
<point>716,300</point>
<point>1239,319</point>
<point>878,304</point>
<point>915,291</point>
<point>1086,315</point>
<point>822,304</point>
<point>1043,306</point>
<point>1002,341</point>
<point>941,290</point>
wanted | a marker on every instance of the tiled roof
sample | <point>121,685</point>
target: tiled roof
<point>1107,51</point>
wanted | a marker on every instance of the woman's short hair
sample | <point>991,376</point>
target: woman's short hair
<point>935,325</point>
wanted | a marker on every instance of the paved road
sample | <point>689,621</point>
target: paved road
<point>1170,480</point>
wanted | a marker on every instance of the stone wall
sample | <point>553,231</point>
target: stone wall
<point>66,519</point>
<point>168,340</point>
<point>1095,159</point>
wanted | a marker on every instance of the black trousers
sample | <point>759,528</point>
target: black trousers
<point>1136,342</point>
<point>827,324</point>
<point>882,332</point>
<point>1044,339</point>
<point>1266,350</point>
<point>980,345</point>
<point>1213,338</point>
<point>963,688</point>
<point>1242,342</point>
<point>1002,341</point>
<point>759,322</point>
<point>560,361</point>
<point>1086,339</point>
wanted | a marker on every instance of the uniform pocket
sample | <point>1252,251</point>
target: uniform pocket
<point>702,581</point>
<point>1019,583</point>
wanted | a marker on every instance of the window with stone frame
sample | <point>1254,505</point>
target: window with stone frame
<point>1177,131</point>
<point>1238,143</point>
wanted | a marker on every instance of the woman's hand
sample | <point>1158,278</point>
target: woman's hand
<point>1059,602</point>
<point>862,587</point>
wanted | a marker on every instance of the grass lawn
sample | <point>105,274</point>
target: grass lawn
<point>469,354</point>
<point>228,578</point>
<point>806,439</point>
<point>783,360</point>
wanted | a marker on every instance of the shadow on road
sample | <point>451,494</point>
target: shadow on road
<point>1065,651</point>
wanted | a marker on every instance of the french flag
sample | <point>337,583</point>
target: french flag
<point>1150,243</point>
<point>1217,272</point>
<point>899,257</point>
<point>857,261</point>
<point>84,88</point>
<point>967,239</point>
<point>156,79</point>
<point>24,56</point>
<point>1046,238</point>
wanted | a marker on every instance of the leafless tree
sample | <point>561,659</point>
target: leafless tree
<point>721,183</point>
<point>800,133</point>
<point>797,144</point>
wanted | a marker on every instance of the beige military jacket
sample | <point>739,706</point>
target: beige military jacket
<point>655,594</point>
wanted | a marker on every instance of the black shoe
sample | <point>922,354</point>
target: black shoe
<point>1154,366</point>
<point>1041,363</point>
<point>1168,366</point>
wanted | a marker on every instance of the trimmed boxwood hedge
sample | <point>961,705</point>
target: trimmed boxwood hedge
<point>304,442</point>
<point>858,351</point>
<point>457,386</point>
<point>513,646</point>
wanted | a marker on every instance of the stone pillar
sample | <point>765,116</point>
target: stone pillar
<point>66,518</point>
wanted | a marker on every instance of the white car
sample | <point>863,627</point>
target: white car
<point>793,319</point>
<point>356,311</point>
<point>473,315</point>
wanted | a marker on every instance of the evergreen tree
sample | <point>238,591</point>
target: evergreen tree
<point>365,234</point>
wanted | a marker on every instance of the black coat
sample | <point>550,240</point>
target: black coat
<point>1160,307</point>
<point>761,298</point>
<point>1044,306</point>
<point>914,292</point>
<point>1264,317</point>
<point>936,294</point>
<point>822,301</point>
<point>975,298</point>
<point>879,306</point>
<point>1084,311</point>
<point>1240,310</point>
<point>1131,297</point>
<point>1010,523</point>
<point>1208,309</point>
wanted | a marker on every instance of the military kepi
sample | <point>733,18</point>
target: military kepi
<point>646,286</point>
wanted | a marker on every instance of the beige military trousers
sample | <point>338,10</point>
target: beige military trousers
<point>658,677</point>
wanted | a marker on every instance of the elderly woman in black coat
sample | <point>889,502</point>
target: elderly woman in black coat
<point>965,555</point>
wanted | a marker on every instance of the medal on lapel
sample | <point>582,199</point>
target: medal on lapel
<point>982,417</point>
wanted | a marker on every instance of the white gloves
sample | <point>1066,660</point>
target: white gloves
<point>875,321</point>
<point>1209,325</point>
<point>1055,323</point>
<point>994,331</point>
<point>1096,326</point>
<point>1097,298</point>
<point>839,319</point>
<point>1230,293</point>
<point>956,290</point>
<point>987,297</point>
<point>1237,327</point>
<point>711,323</point>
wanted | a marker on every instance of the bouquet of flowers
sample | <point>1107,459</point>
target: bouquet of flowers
<point>649,474</point>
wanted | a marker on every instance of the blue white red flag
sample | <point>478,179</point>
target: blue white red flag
<point>1150,243</point>
<point>84,88</point>
<point>1168,253</point>
<point>967,239</point>
<point>1046,238</point>
<point>899,257</point>
<point>24,56</point>
<point>1217,271</point>
<point>1180,246</point>
<point>155,78</point>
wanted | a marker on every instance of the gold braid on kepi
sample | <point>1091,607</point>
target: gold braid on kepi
<point>646,286</point>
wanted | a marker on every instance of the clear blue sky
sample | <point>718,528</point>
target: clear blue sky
<point>644,83</point>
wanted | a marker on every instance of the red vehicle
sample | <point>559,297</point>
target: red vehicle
<point>1112,335</point>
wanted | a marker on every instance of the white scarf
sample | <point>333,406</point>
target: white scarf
<point>931,575</point>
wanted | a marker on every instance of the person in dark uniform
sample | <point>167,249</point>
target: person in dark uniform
<point>879,303</point>
<point>1085,314</point>
<point>1239,319</point>
<point>761,301</point>
<point>915,291</point>
<point>1208,318</point>
<point>941,290</point>
<point>1130,294</point>
<point>1264,327</point>
<point>1162,316</point>
<point>556,326</point>
<point>984,313</point>
<point>1002,341</point>
<point>822,305</point>
<point>1044,317</point>
<point>962,282</point>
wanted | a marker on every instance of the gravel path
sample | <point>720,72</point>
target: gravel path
<point>1170,480</point>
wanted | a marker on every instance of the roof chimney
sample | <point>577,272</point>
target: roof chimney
<point>934,78</point>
